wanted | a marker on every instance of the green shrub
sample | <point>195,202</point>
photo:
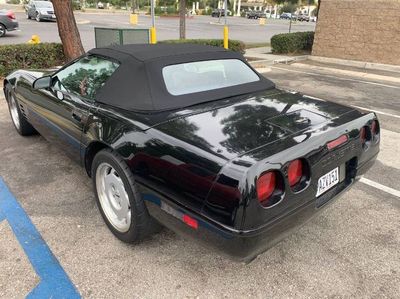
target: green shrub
<point>207,11</point>
<point>297,42</point>
<point>234,45</point>
<point>76,5</point>
<point>171,10</point>
<point>26,56</point>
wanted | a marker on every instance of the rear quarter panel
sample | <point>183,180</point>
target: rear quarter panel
<point>161,164</point>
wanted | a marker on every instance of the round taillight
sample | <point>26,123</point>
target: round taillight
<point>266,185</point>
<point>374,128</point>
<point>363,135</point>
<point>295,172</point>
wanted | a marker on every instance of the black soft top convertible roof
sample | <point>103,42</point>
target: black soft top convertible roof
<point>138,84</point>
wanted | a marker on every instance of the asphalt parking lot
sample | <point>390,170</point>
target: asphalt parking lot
<point>167,28</point>
<point>350,250</point>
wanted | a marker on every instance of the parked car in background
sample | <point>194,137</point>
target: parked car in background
<point>8,22</point>
<point>220,12</point>
<point>100,5</point>
<point>286,16</point>
<point>303,18</point>
<point>255,15</point>
<point>295,17</point>
<point>40,10</point>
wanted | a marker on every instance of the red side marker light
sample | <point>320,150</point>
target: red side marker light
<point>190,221</point>
<point>335,143</point>
<point>295,172</point>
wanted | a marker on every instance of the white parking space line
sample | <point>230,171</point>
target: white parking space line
<point>377,111</point>
<point>381,187</point>
<point>336,77</point>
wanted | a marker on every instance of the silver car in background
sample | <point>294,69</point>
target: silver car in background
<point>8,22</point>
<point>40,10</point>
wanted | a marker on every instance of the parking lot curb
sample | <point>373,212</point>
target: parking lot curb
<point>262,63</point>
<point>361,73</point>
<point>358,64</point>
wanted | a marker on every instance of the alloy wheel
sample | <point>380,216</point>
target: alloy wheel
<point>14,112</point>
<point>113,198</point>
<point>2,30</point>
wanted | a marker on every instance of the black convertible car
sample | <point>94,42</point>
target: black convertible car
<point>192,137</point>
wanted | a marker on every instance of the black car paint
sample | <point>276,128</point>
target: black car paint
<point>180,166</point>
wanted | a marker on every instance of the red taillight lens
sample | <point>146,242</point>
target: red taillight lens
<point>374,127</point>
<point>363,135</point>
<point>266,185</point>
<point>190,221</point>
<point>295,172</point>
<point>11,15</point>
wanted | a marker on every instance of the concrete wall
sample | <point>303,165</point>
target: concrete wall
<point>365,30</point>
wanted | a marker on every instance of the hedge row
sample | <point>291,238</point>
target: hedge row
<point>45,55</point>
<point>234,45</point>
<point>296,42</point>
<point>27,56</point>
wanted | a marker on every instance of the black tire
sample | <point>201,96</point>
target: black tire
<point>24,128</point>
<point>3,30</point>
<point>142,225</point>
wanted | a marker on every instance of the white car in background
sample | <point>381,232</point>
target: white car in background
<point>40,10</point>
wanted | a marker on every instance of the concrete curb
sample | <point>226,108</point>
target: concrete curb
<point>363,75</point>
<point>359,64</point>
<point>268,62</point>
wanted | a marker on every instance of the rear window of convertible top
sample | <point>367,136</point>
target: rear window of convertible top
<point>199,76</point>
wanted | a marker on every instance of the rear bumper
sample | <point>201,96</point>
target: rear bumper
<point>242,245</point>
<point>12,25</point>
<point>47,17</point>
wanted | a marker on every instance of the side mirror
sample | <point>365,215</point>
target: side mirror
<point>42,83</point>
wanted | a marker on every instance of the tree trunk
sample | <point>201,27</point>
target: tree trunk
<point>67,29</point>
<point>134,6</point>
<point>182,19</point>
<point>318,6</point>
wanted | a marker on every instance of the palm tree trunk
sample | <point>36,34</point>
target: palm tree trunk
<point>182,19</point>
<point>67,29</point>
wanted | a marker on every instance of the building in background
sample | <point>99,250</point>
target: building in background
<point>364,30</point>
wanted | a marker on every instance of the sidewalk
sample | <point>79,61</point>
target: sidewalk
<point>263,60</point>
<point>262,57</point>
<point>349,70</point>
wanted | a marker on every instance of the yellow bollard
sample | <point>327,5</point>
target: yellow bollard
<point>262,21</point>
<point>153,35</point>
<point>133,18</point>
<point>35,39</point>
<point>226,34</point>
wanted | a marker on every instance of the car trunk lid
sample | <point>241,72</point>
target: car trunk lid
<point>232,127</point>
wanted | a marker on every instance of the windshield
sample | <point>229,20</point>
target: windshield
<point>191,77</point>
<point>44,4</point>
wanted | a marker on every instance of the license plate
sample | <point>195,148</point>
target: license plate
<point>327,181</point>
<point>53,16</point>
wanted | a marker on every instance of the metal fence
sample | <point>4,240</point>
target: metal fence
<point>114,36</point>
